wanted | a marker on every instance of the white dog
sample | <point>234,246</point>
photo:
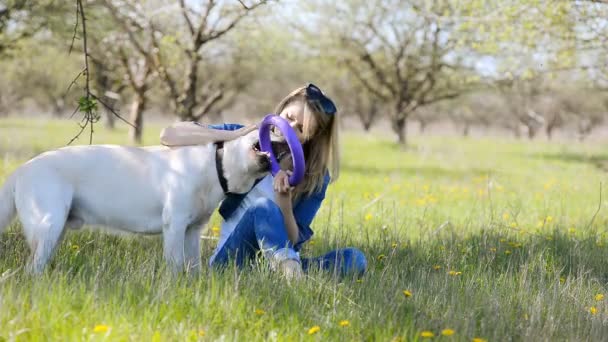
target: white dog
<point>149,190</point>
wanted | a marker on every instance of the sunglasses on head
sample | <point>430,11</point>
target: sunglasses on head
<point>314,93</point>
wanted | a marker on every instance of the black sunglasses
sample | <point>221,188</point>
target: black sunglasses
<point>314,93</point>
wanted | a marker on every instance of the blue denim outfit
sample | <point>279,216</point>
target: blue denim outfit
<point>261,228</point>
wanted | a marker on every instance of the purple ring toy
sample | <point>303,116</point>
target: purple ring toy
<point>297,154</point>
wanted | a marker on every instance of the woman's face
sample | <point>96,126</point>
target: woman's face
<point>294,114</point>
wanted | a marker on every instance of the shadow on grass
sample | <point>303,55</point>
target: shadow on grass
<point>425,171</point>
<point>600,161</point>
<point>562,254</point>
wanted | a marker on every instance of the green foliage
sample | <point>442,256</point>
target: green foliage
<point>494,239</point>
<point>87,104</point>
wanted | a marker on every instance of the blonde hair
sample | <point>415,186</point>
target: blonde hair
<point>321,149</point>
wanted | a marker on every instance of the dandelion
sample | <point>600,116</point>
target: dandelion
<point>381,257</point>
<point>599,297</point>
<point>572,231</point>
<point>447,332</point>
<point>421,202</point>
<point>344,323</point>
<point>437,267</point>
<point>259,312</point>
<point>368,217</point>
<point>549,219</point>
<point>359,281</point>
<point>562,280</point>
<point>593,310</point>
<point>215,230</point>
<point>493,249</point>
<point>314,330</point>
<point>454,273</point>
<point>478,339</point>
<point>394,245</point>
<point>407,293</point>
<point>505,216</point>
<point>100,328</point>
<point>508,252</point>
<point>513,225</point>
<point>75,248</point>
<point>201,333</point>
<point>426,334</point>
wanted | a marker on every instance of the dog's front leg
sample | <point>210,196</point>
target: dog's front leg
<point>174,234</point>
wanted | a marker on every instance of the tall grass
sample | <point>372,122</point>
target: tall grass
<point>491,238</point>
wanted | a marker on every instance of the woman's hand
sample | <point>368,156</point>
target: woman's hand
<point>281,182</point>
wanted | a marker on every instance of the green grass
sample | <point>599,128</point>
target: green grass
<point>516,222</point>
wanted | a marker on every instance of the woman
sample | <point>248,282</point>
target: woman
<point>273,217</point>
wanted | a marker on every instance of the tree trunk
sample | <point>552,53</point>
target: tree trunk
<point>549,131</point>
<point>399,127</point>
<point>423,125</point>
<point>465,130</point>
<point>137,118</point>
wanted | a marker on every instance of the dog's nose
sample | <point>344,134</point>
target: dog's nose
<point>264,161</point>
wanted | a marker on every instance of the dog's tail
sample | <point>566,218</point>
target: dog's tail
<point>7,202</point>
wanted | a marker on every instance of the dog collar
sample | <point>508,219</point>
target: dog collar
<point>219,167</point>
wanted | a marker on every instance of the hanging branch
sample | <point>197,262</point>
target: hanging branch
<point>87,104</point>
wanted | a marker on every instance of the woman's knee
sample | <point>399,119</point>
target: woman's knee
<point>354,260</point>
<point>265,207</point>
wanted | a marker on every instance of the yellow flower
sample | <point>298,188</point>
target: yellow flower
<point>75,248</point>
<point>562,280</point>
<point>507,252</point>
<point>99,328</point>
<point>381,256</point>
<point>426,334</point>
<point>505,216</point>
<point>314,330</point>
<point>593,310</point>
<point>407,293</point>
<point>447,332</point>
<point>437,267</point>
<point>478,339</point>
<point>454,273</point>
<point>513,225</point>
<point>344,323</point>
<point>259,312</point>
<point>215,230</point>
<point>394,245</point>
<point>368,217</point>
<point>492,249</point>
<point>201,333</point>
<point>599,297</point>
<point>359,281</point>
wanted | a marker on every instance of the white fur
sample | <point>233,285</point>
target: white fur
<point>149,190</point>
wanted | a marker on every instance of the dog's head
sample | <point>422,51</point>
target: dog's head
<point>244,162</point>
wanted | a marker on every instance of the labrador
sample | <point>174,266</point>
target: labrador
<point>146,190</point>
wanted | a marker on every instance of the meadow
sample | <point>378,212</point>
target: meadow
<point>478,239</point>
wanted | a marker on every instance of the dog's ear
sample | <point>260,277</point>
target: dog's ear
<point>192,133</point>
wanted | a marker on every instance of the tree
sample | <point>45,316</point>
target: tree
<point>190,35</point>
<point>402,52</point>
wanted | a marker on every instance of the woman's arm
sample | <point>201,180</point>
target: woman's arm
<point>282,192</point>
<point>191,133</point>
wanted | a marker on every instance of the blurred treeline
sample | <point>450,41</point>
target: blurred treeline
<point>530,67</point>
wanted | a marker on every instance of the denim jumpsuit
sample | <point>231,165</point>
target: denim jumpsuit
<point>253,223</point>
